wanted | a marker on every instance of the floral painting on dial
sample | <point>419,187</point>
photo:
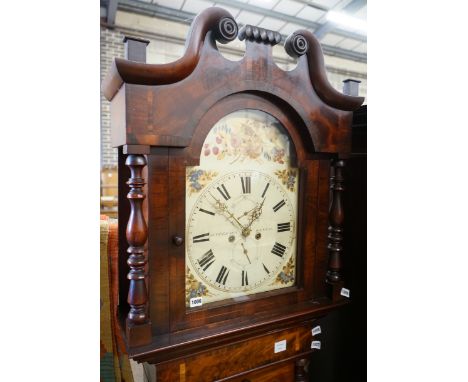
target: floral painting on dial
<point>246,177</point>
<point>248,135</point>
<point>193,287</point>
<point>286,276</point>
<point>197,179</point>
<point>287,177</point>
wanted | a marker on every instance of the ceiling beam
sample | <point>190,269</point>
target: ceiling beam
<point>312,5</point>
<point>351,8</point>
<point>111,11</point>
<point>154,10</point>
<point>343,53</point>
<point>286,18</point>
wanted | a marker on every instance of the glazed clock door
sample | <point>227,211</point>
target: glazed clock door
<point>241,211</point>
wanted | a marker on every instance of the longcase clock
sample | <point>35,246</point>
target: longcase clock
<point>230,203</point>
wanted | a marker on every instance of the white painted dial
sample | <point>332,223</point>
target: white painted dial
<point>241,210</point>
<point>241,231</point>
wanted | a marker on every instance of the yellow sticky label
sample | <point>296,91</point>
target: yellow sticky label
<point>182,372</point>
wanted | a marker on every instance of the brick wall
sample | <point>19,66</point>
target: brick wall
<point>111,46</point>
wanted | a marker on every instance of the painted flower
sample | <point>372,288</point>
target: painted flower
<point>235,141</point>
<point>278,155</point>
<point>287,274</point>
<point>193,287</point>
<point>291,182</point>
<point>253,149</point>
<point>287,177</point>
<point>249,131</point>
<point>284,278</point>
<point>197,179</point>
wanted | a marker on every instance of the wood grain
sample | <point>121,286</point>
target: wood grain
<point>222,363</point>
<point>335,230</point>
<point>304,42</point>
<point>122,71</point>
<point>138,324</point>
<point>148,114</point>
<point>283,372</point>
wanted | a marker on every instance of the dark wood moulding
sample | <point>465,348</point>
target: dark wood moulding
<point>222,24</point>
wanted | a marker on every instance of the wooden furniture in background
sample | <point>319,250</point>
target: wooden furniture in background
<point>160,116</point>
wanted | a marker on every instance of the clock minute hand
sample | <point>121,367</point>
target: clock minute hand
<point>256,213</point>
<point>247,212</point>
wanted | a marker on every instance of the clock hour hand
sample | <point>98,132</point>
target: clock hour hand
<point>223,208</point>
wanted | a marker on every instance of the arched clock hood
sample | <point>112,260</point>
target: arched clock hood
<point>160,91</point>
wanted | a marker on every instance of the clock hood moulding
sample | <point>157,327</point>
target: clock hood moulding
<point>188,87</point>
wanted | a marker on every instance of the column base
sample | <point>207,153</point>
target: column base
<point>334,290</point>
<point>138,335</point>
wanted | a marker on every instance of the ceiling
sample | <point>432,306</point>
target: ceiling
<point>284,16</point>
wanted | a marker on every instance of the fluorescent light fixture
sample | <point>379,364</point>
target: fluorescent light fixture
<point>347,21</point>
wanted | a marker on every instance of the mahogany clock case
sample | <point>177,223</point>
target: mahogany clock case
<point>178,159</point>
<point>160,116</point>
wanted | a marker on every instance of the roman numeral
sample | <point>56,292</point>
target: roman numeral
<point>245,281</point>
<point>206,212</point>
<point>222,275</point>
<point>279,205</point>
<point>245,184</point>
<point>284,227</point>
<point>200,238</point>
<point>278,249</point>
<point>265,190</point>
<point>265,268</point>
<point>206,260</point>
<point>224,192</point>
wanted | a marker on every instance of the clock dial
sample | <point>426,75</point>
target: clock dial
<point>246,238</point>
<point>241,210</point>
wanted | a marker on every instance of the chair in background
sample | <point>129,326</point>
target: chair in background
<point>115,365</point>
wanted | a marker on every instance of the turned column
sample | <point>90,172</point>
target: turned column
<point>300,372</point>
<point>138,324</point>
<point>335,229</point>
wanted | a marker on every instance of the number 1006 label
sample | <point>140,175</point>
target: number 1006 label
<point>196,301</point>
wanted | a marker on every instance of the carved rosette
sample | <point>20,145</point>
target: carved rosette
<point>303,42</point>
<point>137,233</point>
<point>296,45</point>
<point>226,30</point>
<point>335,230</point>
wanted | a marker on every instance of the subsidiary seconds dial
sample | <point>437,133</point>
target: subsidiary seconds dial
<point>241,231</point>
